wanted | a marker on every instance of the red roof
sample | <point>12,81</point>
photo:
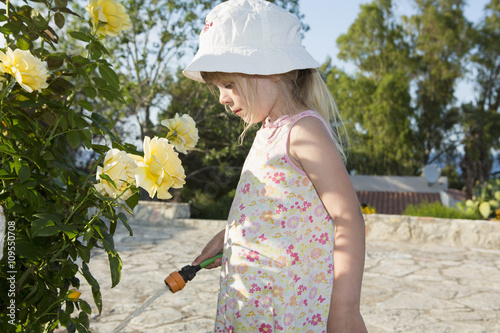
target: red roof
<point>394,202</point>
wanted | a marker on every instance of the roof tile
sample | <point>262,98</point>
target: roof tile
<point>394,202</point>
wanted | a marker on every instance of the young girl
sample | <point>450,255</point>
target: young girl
<point>294,199</point>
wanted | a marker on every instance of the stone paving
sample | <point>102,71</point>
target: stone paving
<point>407,287</point>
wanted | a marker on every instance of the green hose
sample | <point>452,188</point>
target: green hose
<point>210,261</point>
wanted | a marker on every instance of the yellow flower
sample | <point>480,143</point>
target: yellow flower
<point>183,132</point>
<point>160,169</point>
<point>73,295</point>
<point>29,71</point>
<point>108,17</point>
<point>119,166</point>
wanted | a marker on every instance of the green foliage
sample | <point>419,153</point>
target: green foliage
<point>486,200</point>
<point>54,216</point>
<point>399,106</point>
<point>375,103</point>
<point>454,179</point>
<point>480,119</point>
<point>435,209</point>
<point>440,36</point>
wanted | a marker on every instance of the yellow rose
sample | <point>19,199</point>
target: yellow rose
<point>160,169</point>
<point>183,132</point>
<point>73,295</point>
<point>119,166</point>
<point>108,17</point>
<point>30,72</point>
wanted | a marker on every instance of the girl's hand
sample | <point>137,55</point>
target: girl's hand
<point>213,247</point>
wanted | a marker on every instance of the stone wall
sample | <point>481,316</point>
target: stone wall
<point>459,233</point>
<point>159,213</point>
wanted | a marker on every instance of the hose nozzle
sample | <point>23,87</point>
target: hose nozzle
<point>176,281</point>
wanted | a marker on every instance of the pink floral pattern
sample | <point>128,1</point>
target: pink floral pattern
<point>277,268</point>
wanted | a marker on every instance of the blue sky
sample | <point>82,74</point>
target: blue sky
<point>329,19</point>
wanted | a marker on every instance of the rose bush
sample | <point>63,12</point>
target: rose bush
<point>53,212</point>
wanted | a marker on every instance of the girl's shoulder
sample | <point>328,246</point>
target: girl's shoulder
<point>307,134</point>
<point>309,124</point>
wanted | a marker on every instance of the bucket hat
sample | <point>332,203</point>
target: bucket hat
<point>250,37</point>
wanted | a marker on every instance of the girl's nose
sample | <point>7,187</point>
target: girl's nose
<point>224,98</point>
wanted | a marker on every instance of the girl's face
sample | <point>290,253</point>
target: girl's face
<point>264,96</point>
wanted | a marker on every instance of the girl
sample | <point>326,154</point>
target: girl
<point>294,199</point>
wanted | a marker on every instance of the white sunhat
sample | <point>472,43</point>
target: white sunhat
<point>250,37</point>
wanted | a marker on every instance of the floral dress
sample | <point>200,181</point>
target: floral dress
<point>277,267</point>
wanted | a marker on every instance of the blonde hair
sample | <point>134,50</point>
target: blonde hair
<point>302,88</point>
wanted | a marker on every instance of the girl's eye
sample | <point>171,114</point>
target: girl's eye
<point>228,85</point>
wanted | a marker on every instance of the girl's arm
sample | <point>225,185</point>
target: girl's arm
<point>313,150</point>
<point>213,247</point>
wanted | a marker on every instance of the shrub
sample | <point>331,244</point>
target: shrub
<point>435,209</point>
<point>54,214</point>
<point>485,202</point>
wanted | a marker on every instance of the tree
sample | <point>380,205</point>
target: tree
<point>375,102</point>
<point>439,39</point>
<point>480,120</point>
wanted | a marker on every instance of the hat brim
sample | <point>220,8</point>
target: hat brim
<point>266,61</point>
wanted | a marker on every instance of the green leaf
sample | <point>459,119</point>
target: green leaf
<point>84,320</point>
<point>39,22</point>
<point>23,43</point>
<point>109,75</point>
<point>111,95</point>
<point>85,306</point>
<point>65,319</point>
<point>485,209</point>
<point>95,53</point>
<point>26,249</point>
<point>83,252</point>
<point>112,226</point>
<point>86,137</point>
<point>107,241</point>
<point>22,169</point>
<point>122,217</point>
<point>108,179</point>
<point>43,227</point>
<point>69,269</point>
<point>74,139</point>
<point>61,3</point>
<point>115,265</point>
<point>86,105</point>
<point>59,20</point>
<point>80,328</point>
<point>79,60</point>
<point>90,92</point>
<point>96,292</point>
<point>54,63</point>
<point>80,36</point>
<point>68,11</point>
